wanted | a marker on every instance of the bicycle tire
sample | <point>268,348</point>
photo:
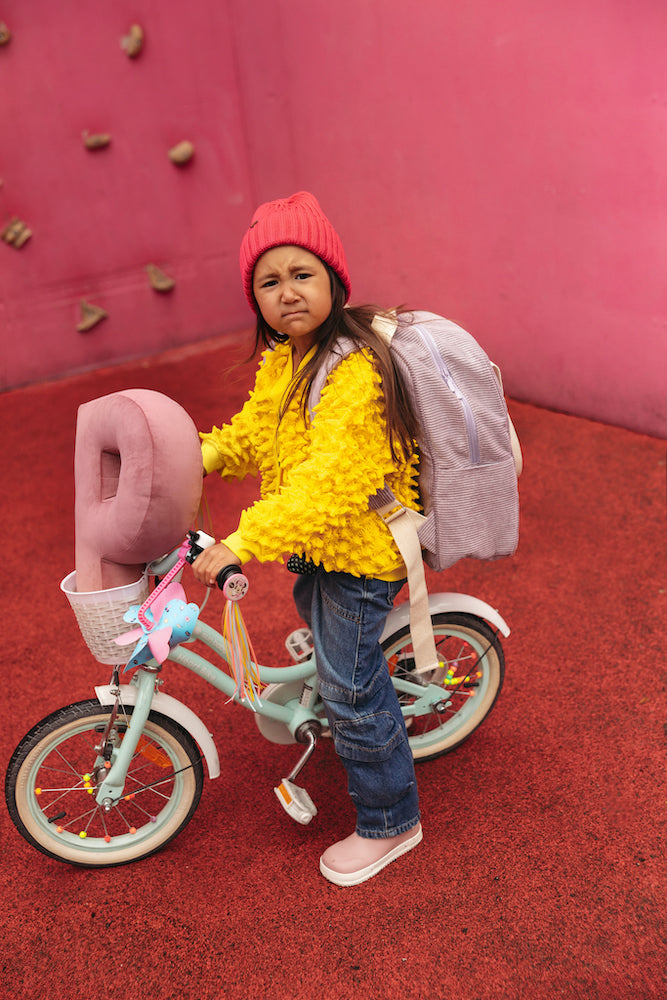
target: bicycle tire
<point>471,676</point>
<point>50,787</point>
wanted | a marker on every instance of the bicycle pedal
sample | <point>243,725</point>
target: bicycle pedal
<point>296,801</point>
<point>300,644</point>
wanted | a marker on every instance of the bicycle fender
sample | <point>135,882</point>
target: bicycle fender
<point>175,710</point>
<point>399,616</point>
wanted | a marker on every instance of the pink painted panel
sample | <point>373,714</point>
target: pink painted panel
<point>503,164</point>
<point>99,217</point>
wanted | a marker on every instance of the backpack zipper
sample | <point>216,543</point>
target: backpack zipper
<point>448,379</point>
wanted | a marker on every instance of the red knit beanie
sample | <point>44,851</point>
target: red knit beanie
<point>297,221</point>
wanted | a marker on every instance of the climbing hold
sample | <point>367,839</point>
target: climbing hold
<point>160,281</point>
<point>133,42</point>
<point>181,153</point>
<point>16,233</point>
<point>90,316</point>
<point>5,34</point>
<point>98,141</point>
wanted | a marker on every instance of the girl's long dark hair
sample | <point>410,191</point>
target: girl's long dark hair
<point>354,322</point>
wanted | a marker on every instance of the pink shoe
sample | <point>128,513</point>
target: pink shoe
<point>356,858</point>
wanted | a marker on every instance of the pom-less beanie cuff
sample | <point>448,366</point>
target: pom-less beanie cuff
<point>297,221</point>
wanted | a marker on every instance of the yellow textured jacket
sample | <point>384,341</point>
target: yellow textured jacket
<point>316,476</point>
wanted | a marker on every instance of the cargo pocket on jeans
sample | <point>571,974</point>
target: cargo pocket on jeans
<point>370,738</point>
<point>377,759</point>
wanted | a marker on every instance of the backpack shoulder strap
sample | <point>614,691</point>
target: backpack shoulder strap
<point>404,524</point>
<point>340,350</point>
<point>383,326</point>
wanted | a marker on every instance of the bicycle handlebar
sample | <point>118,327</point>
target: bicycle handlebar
<point>231,581</point>
<point>160,567</point>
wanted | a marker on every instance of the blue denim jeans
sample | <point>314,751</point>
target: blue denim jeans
<point>347,615</point>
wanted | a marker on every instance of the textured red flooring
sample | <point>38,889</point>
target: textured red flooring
<point>542,871</point>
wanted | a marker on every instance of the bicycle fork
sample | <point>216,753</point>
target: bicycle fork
<point>116,760</point>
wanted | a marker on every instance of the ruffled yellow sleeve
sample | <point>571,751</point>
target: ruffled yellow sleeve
<point>231,449</point>
<point>328,471</point>
<point>243,446</point>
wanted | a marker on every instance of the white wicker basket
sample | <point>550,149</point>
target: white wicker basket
<point>99,614</point>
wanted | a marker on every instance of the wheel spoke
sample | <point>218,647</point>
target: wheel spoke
<point>56,764</point>
<point>469,677</point>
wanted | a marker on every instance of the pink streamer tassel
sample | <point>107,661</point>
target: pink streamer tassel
<point>243,661</point>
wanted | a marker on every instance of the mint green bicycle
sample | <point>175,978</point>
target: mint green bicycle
<point>113,779</point>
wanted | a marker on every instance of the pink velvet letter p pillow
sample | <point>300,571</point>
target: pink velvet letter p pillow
<point>138,478</point>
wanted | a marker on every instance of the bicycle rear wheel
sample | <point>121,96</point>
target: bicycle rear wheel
<point>471,673</point>
<point>51,779</point>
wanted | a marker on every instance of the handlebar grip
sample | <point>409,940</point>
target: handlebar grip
<point>232,582</point>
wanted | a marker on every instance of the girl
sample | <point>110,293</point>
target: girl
<point>318,470</point>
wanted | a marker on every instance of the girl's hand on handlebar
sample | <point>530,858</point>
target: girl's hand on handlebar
<point>208,563</point>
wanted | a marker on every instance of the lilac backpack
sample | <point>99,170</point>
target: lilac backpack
<point>469,452</point>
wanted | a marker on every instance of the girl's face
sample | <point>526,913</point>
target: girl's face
<point>293,292</point>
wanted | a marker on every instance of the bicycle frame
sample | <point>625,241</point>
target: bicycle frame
<point>147,746</point>
<point>143,694</point>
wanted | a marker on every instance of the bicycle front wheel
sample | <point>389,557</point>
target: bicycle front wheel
<point>51,781</point>
<point>470,675</point>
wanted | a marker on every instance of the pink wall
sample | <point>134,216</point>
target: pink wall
<point>503,164</point>
<point>100,217</point>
